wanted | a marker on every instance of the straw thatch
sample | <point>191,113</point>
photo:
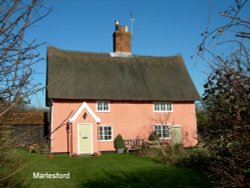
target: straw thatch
<point>98,76</point>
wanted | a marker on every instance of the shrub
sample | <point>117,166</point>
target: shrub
<point>153,136</point>
<point>198,158</point>
<point>166,153</point>
<point>149,152</point>
<point>119,142</point>
<point>173,153</point>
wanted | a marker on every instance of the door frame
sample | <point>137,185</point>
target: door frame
<point>78,140</point>
<point>178,126</point>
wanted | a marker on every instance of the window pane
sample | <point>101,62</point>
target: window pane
<point>158,130</point>
<point>99,107</point>
<point>105,106</point>
<point>163,106</point>
<point>109,133</point>
<point>165,131</point>
<point>157,108</point>
<point>100,133</point>
<point>169,107</point>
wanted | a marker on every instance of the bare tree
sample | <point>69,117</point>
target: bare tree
<point>227,95</point>
<point>18,54</point>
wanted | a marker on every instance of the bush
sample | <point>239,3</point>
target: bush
<point>198,158</point>
<point>172,153</point>
<point>119,142</point>
<point>153,136</point>
<point>166,153</point>
<point>149,152</point>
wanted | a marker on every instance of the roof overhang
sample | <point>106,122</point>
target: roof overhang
<point>83,106</point>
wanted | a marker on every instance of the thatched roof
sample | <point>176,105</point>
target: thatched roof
<point>98,76</point>
<point>25,118</point>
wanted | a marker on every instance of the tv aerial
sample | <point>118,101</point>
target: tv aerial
<point>132,19</point>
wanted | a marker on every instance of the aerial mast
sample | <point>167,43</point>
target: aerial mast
<point>132,19</point>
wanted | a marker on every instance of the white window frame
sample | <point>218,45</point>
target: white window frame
<point>99,131</point>
<point>169,132</point>
<point>98,102</point>
<point>161,107</point>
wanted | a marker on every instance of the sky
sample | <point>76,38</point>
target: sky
<point>161,28</point>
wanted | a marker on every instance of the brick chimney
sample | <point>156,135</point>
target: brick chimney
<point>121,39</point>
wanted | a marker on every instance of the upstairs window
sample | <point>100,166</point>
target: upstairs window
<point>163,131</point>
<point>102,106</point>
<point>163,107</point>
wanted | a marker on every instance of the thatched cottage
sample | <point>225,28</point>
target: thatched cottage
<point>95,96</point>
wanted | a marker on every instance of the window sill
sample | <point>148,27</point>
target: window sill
<point>105,140</point>
<point>163,111</point>
<point>167,138</point>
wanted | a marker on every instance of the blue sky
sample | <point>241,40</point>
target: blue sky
<point>161,28</point>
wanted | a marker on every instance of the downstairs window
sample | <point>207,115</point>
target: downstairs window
<point>163,131</point>
<point>105,133</point>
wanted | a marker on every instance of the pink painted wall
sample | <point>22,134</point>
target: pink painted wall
<point>130,119</point>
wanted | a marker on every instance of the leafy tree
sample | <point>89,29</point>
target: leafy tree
<point>227,96</point>
<point>201,115</point>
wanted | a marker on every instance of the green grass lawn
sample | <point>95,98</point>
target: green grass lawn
<point>108,170</point>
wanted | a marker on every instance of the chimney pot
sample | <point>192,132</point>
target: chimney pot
<point>122,28</point>
<point>126,28</point>
<point>121,38</point>
<point>117,25</point>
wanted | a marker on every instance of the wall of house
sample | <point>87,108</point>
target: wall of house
<point>130,119</point>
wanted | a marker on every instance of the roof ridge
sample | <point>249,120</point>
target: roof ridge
<point>52,48</point>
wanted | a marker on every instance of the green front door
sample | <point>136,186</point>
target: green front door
<point>176,134</point>
<point>85,145</point>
